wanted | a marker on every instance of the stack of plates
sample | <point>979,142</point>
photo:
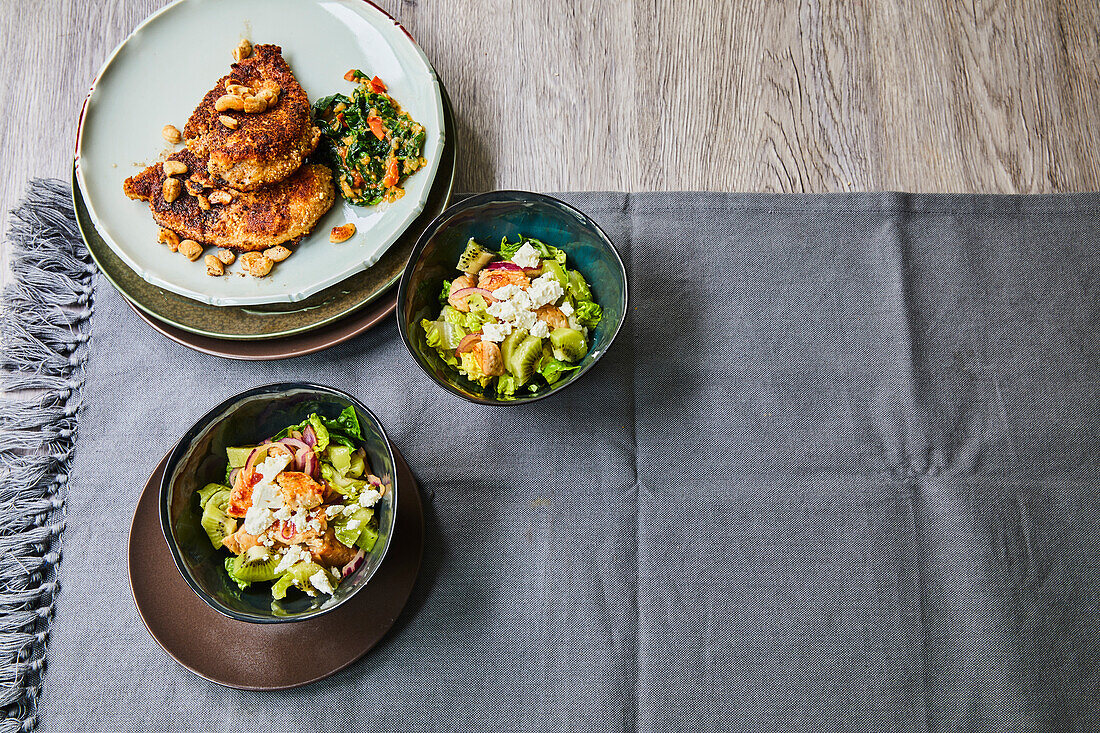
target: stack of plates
<point>325,293</point>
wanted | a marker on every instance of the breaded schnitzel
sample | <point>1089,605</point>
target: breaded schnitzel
<point>265,147</point>
<point>251,221</point>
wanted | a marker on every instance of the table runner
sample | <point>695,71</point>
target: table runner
<point>837,473</point>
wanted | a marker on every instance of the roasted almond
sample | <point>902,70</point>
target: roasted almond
<point>228,121</point>
<point>171,134</point>
<point>278,253</point>
<point>170,238</point>
<point>174,168</point>
<point>214,266</point>
<point>172,188</point>
<point>256,263</point>
<point>243,50</point>
<point>190,249</point>
<point>220,197</point>
<point>229,102</point>
<point>342,233</point>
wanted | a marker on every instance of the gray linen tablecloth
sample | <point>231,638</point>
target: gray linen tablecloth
<point>837,473</point>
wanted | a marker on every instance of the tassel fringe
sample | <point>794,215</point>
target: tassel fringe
<point>43,320</point>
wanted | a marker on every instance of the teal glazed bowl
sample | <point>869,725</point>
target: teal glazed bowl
<point>199,458</point>
<point>487,218</point>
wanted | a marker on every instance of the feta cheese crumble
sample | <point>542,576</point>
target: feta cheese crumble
<point>507,292</point>
<point>293,555</point>
<point>545,290</point>
<point>540,329</point>
<point>505,310</point>
<point>526,256</point>
<point>566,309</point>
<point>525,320</point>
<point>321,582</point>
<point>265,495</point>
<point>495,331</point>
<point>369,498</point>
<point>334,510</point>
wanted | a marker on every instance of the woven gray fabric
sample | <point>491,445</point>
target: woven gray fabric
<point>837,473</point>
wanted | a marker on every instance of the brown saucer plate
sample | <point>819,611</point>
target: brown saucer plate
<point>286,347</point>
<point>270,656</point>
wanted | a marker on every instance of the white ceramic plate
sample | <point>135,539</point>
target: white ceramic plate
<point>160,73</point>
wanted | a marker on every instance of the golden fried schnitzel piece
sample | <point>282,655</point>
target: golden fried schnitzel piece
<point>251,220</point>
<point>265,147</point>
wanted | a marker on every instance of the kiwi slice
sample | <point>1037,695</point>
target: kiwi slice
<point>568,344</point>
<point>578,287</point>
<point>524,357</point>
<point>297,576</point>
<point>555,268</point>
<point>509,344</point>
<point>474,258</point>
<point>254,565</point>
<point>207,491</point>
<point>217,523</point>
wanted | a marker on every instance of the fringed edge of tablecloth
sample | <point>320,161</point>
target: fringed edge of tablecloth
<point>43,329</point>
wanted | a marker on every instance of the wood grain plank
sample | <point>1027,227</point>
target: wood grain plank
<point>797,95</point>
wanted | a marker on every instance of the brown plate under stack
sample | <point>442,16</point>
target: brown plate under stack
<point>287,347</point>
<point>285,655</point>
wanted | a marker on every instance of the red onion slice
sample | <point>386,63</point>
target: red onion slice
<point>257,454</point>
<point>459,295</point>
<point>295,444</point>
<point>233,476</point>
<point>352,566</point>
<point>310,464</point>
<point>300,458</point>
<point>504,266</point>
<point>468,342</point>
<point>309,436</point>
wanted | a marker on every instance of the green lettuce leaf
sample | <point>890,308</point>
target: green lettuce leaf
<point>320,430</point>
<point>589,314</point>
<point>446,292</point>
<point>347,424</point>
<point>442,334</point>
<point>507,249</point>
<point>554,369</point>
<point>546,251</point>
<point>507,384</point>
<point>344,430</point>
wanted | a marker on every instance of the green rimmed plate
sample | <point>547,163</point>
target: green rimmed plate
<point>275,320</point>
<point>321,39</point>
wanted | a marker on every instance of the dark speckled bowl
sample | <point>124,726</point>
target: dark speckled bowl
<point>199,458</point>
<point>487,218</point>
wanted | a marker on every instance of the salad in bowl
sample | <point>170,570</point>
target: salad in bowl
<point>296,510</point>
<point>514,320</point>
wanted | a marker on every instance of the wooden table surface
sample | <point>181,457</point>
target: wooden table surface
<point>759,95</point>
